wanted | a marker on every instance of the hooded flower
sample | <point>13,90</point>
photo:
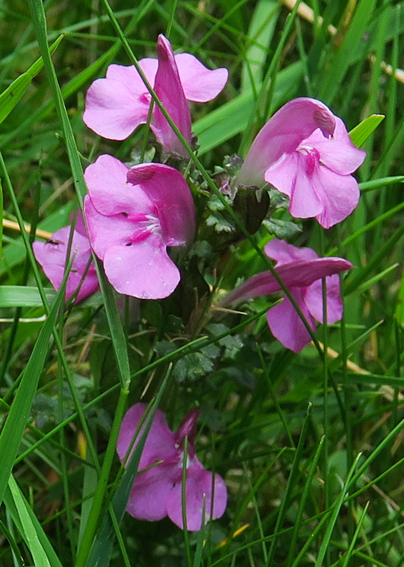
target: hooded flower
<point>52,257</point>
<point>133,215</point>
<point>157,492</point>
<point>118,104</point>
<point>305,152</point>
<point>301,271</point>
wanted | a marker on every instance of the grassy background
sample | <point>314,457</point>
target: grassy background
<point>310,446</point>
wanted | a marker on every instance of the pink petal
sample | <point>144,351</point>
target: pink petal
<point>109,191</point>
<point>314,300</point>
<point>170,92</point>
<point>143,270</point>
<point>289,176</point>
<point>112,111</point>
<point>160,442</point>
<point>283,133</point>
<point>305,201</point>
<point>287,326</point>
<point>339,196</point>
<point>200,84</point>
<point>130,77</point>
<point>338,153</point>
<point>188,426</point>
<point>106,231</point>
<point>198,489</point>
<point>282,174</point>
<point>295,274</point>
<point>52,258</point>
<point>79,224</point>
<point>151,490</point>
<point>89,285</point>
<point>170,194</point>
<point>285,253</point>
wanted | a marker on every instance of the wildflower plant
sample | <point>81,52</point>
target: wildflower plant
<point>212,375</point>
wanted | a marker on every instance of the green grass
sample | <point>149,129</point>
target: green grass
<point>310,445</point>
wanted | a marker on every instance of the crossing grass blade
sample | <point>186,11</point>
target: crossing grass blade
<point>100,554</point>
<point>351,549</point>
<point>290,485</point>
<point>30,529</point>
<point>334,515</point>
<point>260,33</point>
<point>302,504</point>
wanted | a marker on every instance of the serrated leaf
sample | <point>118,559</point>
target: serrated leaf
<point>219,222</point>
<point>283,230</point>
<point>195,365</point>
<point>362,131</point>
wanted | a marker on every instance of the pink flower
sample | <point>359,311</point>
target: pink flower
<point>133,215</point>
<point>52,257</point>
<point>305,152</point>
<point>157,492</point>
<point>118,104</point>
<point>301,270</point>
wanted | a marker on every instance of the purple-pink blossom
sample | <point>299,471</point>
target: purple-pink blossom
<point>306,153</point>
<point>301,271</point>
<point>157,491</point>
<point>118,104</point>
<point>133,216</point>
<point>52,255</point>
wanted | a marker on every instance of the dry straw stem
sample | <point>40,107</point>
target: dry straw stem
<point>307,14</point>
<point>15,226</point>
<point>331,353</point>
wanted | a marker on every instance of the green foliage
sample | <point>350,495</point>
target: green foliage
<point>317,486</point>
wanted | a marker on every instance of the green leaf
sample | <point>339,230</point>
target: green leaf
<point>345,55</point>
<point>29,296</point>
<point>362,131</point>
<point>10,97</point>
<point>260,33</point>
<point>23,296</point>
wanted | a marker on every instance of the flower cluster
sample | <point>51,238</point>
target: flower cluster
<point>140,222</point>
<point>118,104</point>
